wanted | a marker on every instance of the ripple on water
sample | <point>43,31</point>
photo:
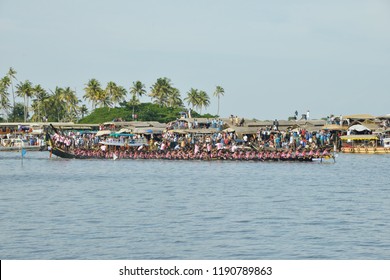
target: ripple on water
<point>74,209</point>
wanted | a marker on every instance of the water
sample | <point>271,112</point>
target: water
<point>154,209</point>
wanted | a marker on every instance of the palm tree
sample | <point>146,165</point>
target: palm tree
<point>203,101</point>
<point>111,89</point>
<point>93,92</point>
<point>160,91</point>
<point>219,91</point>
<point>103,99</point>
<point>137,90</point>
<point>115,93</point>
<point>192,98</point>
<point>120,95</point>
<point>40,94</point>
<point>83,110</point>
<point>26,91</point>
<point>4,95</point>
<point>11,75</point>
<point>57,105</point>
<point>69,96</point>
<point>17,112</point>
<point>174,99</point>
<point>134,101</point>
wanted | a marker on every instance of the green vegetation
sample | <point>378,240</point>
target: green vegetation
<point>143,112</point>
<point>17,113</point>
<point>109,103</point>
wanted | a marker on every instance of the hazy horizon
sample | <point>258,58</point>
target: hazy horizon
<point>271,57</point>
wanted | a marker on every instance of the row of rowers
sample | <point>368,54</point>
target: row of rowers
<point>235,153</point>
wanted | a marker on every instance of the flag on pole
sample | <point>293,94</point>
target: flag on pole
<point>24,152</point>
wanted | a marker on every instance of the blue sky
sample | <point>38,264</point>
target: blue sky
<point>271,57</point>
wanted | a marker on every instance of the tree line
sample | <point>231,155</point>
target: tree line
<point>62,104</point>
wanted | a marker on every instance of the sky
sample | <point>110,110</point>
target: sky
<point>271,57</point>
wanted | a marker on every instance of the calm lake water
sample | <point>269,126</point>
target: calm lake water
<point>154,209</point>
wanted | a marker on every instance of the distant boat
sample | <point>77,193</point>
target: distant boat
<point>16,144</point>
<point>364,144</point>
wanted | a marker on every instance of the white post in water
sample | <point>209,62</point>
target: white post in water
<point>335,140</point>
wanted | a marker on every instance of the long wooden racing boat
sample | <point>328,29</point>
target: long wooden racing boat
<point>59,152</point>
<point>119,150</point>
